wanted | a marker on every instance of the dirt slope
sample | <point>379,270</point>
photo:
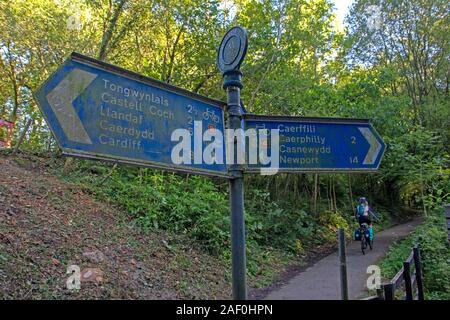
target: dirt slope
<point>47,225</point>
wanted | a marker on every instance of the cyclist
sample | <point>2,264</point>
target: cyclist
<point>363,213</point>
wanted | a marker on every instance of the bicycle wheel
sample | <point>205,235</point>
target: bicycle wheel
<point>371,244</point>
<point>363,245</point>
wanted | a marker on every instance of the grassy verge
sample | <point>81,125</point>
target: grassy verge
<point>435,253</point>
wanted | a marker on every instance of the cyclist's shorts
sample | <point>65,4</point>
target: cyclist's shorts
<point>364,219</point>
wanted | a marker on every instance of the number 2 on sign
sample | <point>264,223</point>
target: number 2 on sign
<point>353,159</point>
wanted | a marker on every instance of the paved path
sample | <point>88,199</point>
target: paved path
<point>321,280</point>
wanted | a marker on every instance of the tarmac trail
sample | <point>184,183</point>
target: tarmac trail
<point>321,280</point>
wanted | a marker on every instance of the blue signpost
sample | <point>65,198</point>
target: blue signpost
<point>321,144</point>
<point>100,111</point>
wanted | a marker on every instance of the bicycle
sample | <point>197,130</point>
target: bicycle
<point>365,242</point>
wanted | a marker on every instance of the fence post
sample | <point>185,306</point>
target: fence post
<point>407,278</point>
<point>380,294</point>
<point>389,291</point>
<point>343,265</point>
<point>418,266</point>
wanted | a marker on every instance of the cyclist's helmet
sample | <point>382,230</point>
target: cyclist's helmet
<point>362,200</point>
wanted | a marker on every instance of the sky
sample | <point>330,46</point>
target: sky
<point>342,7</point>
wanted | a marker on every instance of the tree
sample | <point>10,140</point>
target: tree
<point>413,38</point>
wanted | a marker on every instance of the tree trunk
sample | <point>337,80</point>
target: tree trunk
<point>350,192</point>
<point>422,191</point>
<point>172,54</point>
<point>328,194</point>
<point>107,35</point>
<point>334,193</point>
<point>316,180</point>
<point>22,136</point>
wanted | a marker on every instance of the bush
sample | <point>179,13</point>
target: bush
<point>197,207</point>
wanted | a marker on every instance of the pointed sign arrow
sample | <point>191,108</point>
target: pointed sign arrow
<point>375,146</point>
<point>61,98</point>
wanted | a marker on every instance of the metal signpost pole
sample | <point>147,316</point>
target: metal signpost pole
<point>233,86</point>
<point>230,56</point>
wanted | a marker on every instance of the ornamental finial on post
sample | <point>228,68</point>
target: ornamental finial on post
<point>231,53</point>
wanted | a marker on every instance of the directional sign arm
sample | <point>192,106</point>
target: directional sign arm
<point>103,112</point>
<point>61,98</point>
<point>313,144</point>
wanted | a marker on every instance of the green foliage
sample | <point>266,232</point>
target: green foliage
<point>435,254</point>
<point>298,63</point>
<point>187,205</point>
<point>197,207</point>
<point>272,225</point>
<point>332,221</point>
<point>417,164</point>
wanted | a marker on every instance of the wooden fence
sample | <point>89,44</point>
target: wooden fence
<point>409,278</point>
<point>408,281</point>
